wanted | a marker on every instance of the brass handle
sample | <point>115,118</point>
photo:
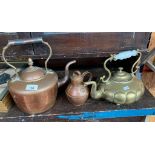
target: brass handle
<point>127,54</point>
<point>107,69</point>
<point>136,64</point>
<point>122,56</point>
<point>23,42</point>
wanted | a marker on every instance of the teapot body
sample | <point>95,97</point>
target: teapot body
<point>119,87</point>
<point>122,93</point>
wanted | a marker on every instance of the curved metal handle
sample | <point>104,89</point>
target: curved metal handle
<point>127,54</point>
<point>121,56</point>
<point>23,42</point>
<point>136,64</point>
<point>106,68</point>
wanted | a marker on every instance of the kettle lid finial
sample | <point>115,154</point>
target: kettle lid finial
<point>30,62</point>
<point>32,72</point>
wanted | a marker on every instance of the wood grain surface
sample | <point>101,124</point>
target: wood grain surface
<point>87,48</point>
<point>149,81</point>
<point>149,77</point>
<point>15,53</point>
<point>152,44</point>
<point>80,45</point>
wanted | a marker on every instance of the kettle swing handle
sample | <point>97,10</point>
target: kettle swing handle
<point>121,56</point>
<point>23,42</point>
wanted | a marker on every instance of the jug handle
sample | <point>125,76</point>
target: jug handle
<point>87,73</point>
<point>23,42</point>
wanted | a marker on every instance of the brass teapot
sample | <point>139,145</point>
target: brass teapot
<point>34,89</point>
<point>119,87</point>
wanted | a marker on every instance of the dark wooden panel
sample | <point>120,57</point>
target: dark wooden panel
<point>16,52</point>
<point>89,49</point>
<point>84,63</point>
<point>80,45</point>
<point>74,45</point>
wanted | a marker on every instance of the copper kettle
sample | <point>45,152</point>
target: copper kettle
<point>34,89</point>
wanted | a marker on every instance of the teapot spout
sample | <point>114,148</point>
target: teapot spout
<point>95,94</point>
<point>62,81</point>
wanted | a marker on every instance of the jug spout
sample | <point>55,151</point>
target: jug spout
<point>95,94</point>
<point>66,77</point>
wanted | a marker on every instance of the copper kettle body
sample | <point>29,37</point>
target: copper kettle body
<point>76,92</point>
<point>34,90</point>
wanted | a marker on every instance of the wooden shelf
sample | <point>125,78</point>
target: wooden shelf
<point>92,110</point>
<point>89,49</point>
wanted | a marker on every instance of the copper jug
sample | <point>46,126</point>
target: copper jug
<point>76,92</point>
<point>34,89</point>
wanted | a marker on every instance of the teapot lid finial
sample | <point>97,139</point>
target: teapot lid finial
<point>121,76</point>
<point>120,69</point>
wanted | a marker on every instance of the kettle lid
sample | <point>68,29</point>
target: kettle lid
<point>121,76</point>
<point>32,73</point>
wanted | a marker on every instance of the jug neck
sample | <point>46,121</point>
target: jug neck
<point>76,78</point>
<point>77,81</point>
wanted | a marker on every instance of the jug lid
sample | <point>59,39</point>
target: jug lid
<point>32,72</point>
<point>121,76</point>
<point>76,77</point>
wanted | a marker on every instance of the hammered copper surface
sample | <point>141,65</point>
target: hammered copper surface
<point>35,101</point>
<point>32,72</point>
<point>76,92</point>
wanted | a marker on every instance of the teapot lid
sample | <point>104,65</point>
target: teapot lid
<point>31,73</point>
<point>121,76</point>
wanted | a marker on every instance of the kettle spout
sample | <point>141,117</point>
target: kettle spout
<point>66,77</point>
<point>95,94</point>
